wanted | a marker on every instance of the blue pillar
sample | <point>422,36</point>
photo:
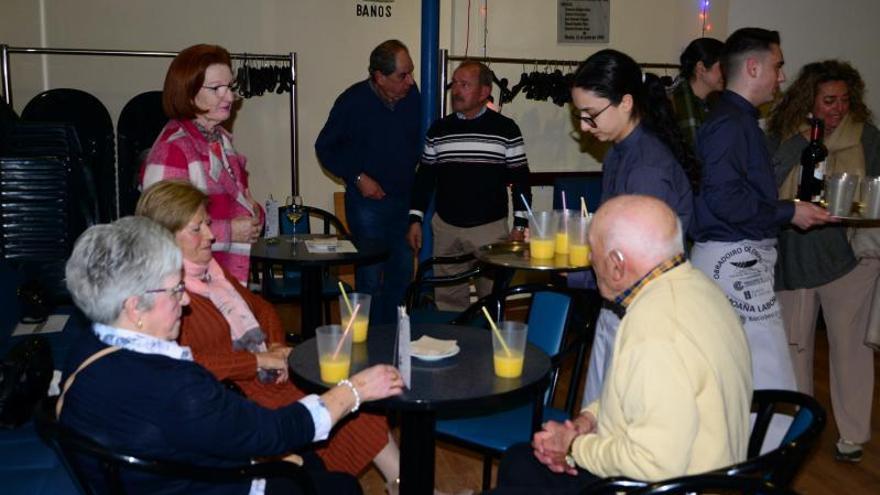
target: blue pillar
<point>430,71</point>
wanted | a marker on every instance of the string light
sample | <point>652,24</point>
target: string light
<point>704,17</point>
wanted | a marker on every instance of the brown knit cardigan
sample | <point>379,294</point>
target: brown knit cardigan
<point>353,443</point>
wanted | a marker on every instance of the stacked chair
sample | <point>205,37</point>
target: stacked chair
<point>140,123</point>
<point>46,201</point>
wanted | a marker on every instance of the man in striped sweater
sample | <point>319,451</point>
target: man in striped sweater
<point>471,157</point>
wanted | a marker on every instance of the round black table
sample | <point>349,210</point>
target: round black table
<point>462,381</point>
<point>282,251</point>
<point>510,256</point>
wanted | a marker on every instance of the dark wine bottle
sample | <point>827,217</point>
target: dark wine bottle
<point>813,164</point>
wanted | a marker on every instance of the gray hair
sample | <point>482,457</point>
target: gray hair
<point>115,261</point>
<point>383,58</point>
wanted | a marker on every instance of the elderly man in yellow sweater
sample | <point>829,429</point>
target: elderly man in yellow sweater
<point>677,395</point>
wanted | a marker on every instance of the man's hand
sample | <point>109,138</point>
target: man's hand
<point>369,188</point>
<point>552,444</point>
<point>808,215</point>
<point>414,236</point>
<point>517,234</point>
<point>584,423</point>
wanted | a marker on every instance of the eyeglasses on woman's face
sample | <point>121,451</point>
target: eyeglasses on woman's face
<point>588,119</point>
<point>176,291</point>
<point>221,90</point>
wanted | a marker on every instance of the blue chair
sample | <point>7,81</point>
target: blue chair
<point>419,294</point>
<point>289,285</point>
<point>492,432</point>
<point>779,466</point>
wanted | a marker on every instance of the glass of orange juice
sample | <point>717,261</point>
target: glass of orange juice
<point>508,359</point>
<point>361,321</point>
<point>563,220</point>
<point>579,247</point>
<point>542,235</point>
<point>334,352</point>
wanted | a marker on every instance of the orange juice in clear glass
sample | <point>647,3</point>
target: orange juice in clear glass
<point>508,366</point>
<point>359,328</point>
<point>334,369</point>
<point>541,248</point>
<point>579,255</point>
<point>562,243</point>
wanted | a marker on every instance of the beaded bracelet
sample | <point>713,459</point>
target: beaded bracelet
<point>357,395</point>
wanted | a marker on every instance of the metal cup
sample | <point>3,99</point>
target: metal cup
<point>871,197</point>
<point>840,189</point>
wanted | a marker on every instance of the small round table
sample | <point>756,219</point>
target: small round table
<point>284,252</point>
<point>514,255</point>
<point>465,380</point>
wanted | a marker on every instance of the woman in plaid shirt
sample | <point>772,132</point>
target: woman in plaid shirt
<point>198,96</point>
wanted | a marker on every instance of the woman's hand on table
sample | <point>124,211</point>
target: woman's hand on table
<point>246,228</point>
<point>378,382</point>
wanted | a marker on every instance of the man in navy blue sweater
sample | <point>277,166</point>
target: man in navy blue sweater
<point>372,141</point>
<point>737,215</point>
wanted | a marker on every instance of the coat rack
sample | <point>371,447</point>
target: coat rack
<point>6,87</point>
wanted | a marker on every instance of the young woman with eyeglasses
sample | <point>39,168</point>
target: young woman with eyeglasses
<point>615,101</point>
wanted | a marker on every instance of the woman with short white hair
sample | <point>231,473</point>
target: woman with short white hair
<point>139,392</point>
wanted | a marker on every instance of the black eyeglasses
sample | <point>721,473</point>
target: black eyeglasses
<point>176,291</point>
<point>588,119</point>
<point>222,89</point>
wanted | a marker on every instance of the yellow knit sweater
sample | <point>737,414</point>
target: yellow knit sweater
<point>677,395</point>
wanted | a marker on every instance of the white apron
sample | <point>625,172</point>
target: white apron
<point>744,271</point>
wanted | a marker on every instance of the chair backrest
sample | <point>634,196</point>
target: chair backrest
<point>73,447</point>
<point>424,280</point>
<point>713,483</point>
<point>329,223</point>
<point>781,464</point>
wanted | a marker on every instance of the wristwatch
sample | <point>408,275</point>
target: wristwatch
<point>569,459</point>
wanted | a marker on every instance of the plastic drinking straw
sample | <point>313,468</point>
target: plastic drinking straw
<point>564,207</point>
<point>584,213</point>
<point>531,215</point>
<point>347,329</point>
<point>344,296</point>
<point>497,332</point>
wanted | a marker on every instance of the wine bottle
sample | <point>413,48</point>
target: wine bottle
<point>813,157</point>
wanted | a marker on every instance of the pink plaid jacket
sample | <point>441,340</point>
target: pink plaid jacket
<point>182,152</point>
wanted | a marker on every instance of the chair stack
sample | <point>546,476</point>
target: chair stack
<point>45,202</point>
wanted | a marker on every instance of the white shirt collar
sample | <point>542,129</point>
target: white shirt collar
<point>140,342</point>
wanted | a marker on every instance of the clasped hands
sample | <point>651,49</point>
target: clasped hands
<point>553,442</point>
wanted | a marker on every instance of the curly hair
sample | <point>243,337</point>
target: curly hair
<point>798,100</point>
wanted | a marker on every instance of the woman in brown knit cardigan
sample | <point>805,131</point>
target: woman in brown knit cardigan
<point>246,345</point>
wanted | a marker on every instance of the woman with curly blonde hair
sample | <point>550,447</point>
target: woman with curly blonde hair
<point>822,267</point>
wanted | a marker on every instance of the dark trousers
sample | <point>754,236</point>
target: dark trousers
<point>386,222</point>
<point>323,481</point>
<point>521,473</point>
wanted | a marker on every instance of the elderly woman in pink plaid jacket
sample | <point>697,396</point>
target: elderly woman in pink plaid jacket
<point>198,96</point>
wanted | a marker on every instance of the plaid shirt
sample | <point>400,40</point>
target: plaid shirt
<point>182,152</point>
<point>626,297</point>
<point>690,111</point>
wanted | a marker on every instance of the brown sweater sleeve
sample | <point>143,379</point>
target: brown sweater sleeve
<point>206,332</point>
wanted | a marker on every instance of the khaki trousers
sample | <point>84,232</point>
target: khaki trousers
<point>846,304</point>
<point>450,240</point>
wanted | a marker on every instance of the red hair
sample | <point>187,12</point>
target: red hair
<point>185,77</point>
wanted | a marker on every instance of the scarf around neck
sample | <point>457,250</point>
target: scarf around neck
<point>210,282</point>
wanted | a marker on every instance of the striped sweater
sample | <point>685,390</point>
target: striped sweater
<point>468,165</point>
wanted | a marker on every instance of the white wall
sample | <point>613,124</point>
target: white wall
<point>332,43</point>
<point>333,46</point>
<point>814,30</point>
